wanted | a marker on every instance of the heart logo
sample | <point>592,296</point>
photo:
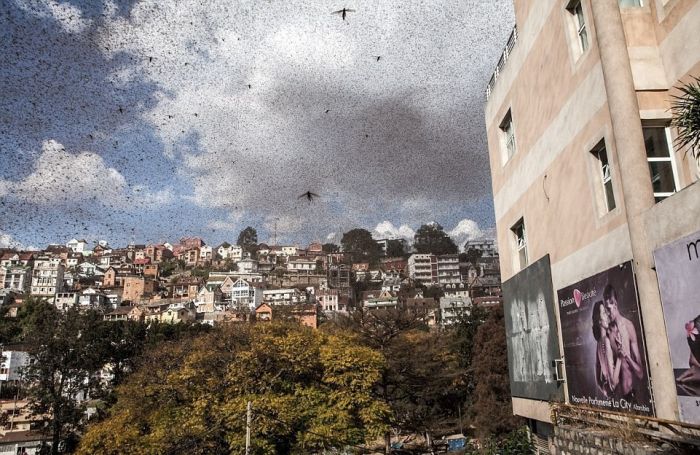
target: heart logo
<point>577,297</point>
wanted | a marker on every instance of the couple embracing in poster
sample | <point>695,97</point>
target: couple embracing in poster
<point>604,351</point>
<point>618,363</point>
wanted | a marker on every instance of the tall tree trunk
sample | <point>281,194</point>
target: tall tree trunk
<point>387,442</point>
<point>55,435</point>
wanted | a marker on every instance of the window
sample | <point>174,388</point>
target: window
<point>630,3</point>
<point>520,243</point>
<point>508,137</point>
<point>579,25</point>
<point>603,168</point>
<point>662,167</point>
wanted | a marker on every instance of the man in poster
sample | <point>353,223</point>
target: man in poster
<point>626,347</point>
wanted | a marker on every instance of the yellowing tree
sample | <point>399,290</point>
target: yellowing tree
<point>309,391</point>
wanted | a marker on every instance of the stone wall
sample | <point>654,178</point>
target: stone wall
<point>569,440</point>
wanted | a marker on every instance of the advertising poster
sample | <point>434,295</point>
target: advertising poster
<point>604,352</point>
<point>678,271</point>
<point>531,333</point>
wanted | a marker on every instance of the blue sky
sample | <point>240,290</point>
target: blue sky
<point>149,120</point>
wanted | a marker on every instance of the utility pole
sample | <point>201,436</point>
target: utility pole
<point>248,418</point>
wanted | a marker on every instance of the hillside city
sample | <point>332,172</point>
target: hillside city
<point>561,138</point>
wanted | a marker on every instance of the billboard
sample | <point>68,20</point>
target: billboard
<point>678,271</point>
<point>604,352</point>
<point>531,333</point>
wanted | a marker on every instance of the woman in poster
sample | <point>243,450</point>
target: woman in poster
<point>692,374</point>
<point>607,365</point>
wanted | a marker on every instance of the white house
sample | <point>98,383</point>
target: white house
<point>289,251</point>
<point>64,300</point>
<point>243,294</point>
<point>284,296</point>
<point>247,265</point>
<point>77,246</point>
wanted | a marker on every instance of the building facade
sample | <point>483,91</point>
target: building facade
<point>587,186</point>
<point>47,276</point>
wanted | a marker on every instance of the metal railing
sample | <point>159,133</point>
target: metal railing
<point>512,40</point>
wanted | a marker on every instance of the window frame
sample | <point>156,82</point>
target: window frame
<point>580,25</point>
<point>605,187</point>
<point>660,196</point>
<point>509,145</point>
<point>519,232</point>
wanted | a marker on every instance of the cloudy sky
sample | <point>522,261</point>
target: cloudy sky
<point>149,120</point>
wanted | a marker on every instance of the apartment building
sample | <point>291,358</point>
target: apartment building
<point>430,269</point>
<point>589,194</point>
<point>16,271</point>
<point>47,276</point>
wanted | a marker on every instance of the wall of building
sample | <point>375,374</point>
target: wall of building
<point>559,106</point>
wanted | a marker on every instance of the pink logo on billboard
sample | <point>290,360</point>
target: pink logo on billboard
<point>577,297</point>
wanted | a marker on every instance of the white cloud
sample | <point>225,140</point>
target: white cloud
<point>465,230</point>
<point>7,241</point>
<point>61,178</point>
<point>386,230</point>
<point>255,148</point>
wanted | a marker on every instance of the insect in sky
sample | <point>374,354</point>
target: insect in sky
<point>343,12</point>
<point>308,195</point>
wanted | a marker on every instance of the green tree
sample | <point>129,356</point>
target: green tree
<point>433,292</point>
<point>472,255</point>
<point>686,117</point>
<point>491,409</point>
<point>396,248</point>
<point>330,248</point>
<point>360,245</point>
<point>432,238</point>
<point>309,391</point>
<point>248,240</point>
<point>65,351</point>
<point>422,378</point>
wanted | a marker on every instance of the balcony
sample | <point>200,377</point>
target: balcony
<point>512,39</point>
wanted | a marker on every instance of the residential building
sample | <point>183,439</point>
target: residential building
<point>93,299</point>
<point>77,246</point>
<point>12,362</point>
<point>65,300</point>
<point>209,299</point>
<point>228,251</point>
<point>242,294</point>
<point>587,184</point>
<point>430,269</point>
<point>301,266</point>
<point>452,308</point>
<point>375,300</point>
<point>137,288</point>
<point>247,266</point>
<point>172,315</point>
<point>16,271</point>
<point>125,313</point>
<point>190,257</point>
<point>487,247</point>
<point>47,276</point>
<point>289,250</point>
<point>423,268</point>
<point>206,254</point>
<point>284,296</point>
<point>331,300</point>
<point>184,287</point>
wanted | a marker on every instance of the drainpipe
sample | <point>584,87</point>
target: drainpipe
<point>637,192</point>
